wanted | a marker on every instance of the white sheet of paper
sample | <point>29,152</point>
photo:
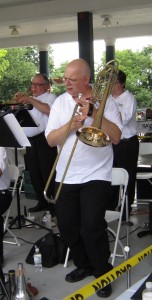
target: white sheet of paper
<point>17,130</point>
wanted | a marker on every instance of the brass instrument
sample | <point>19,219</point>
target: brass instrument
<point>57,158</point>
<point>9,102</point>
<point>57,81</point>
<point>6,104</point>
<point>92,135</point>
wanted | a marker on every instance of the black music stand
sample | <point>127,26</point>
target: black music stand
<point>24,118</point>
<point>15,137</point>
<point>12,135</point>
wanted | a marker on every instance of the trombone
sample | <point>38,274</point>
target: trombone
<point>91,135</point>
<point>57,158</point>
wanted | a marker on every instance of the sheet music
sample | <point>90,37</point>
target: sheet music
<point>17,130</point>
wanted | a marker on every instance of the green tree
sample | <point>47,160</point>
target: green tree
<point>32,55</point>
<point>18,73</point>
<point>3,63</point>
<point>58,73</point>
<point>17,67</point>
<point>138,67</point>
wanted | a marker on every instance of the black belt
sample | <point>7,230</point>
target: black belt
<point>129,139</point>
<point>36,136</point>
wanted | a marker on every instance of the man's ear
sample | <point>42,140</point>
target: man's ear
<point>86,80</point>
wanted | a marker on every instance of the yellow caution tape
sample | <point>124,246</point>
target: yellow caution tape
<point>107,278</point>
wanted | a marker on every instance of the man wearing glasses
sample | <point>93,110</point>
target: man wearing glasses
<point>81,205</point>
<point>39,157</point>
<point>126,152</point>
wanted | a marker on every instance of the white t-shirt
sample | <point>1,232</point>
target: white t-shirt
<point>40,118</point>
<point>4,179</point>
<point>126,104</point>
<point>88,163</point>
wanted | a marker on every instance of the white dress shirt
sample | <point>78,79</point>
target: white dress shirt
<point>127,106</point>
<point>88,163</point>
<point>40,118</point>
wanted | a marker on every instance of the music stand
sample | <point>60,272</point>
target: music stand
<point>24,118</point>
<point>17,139</point>
<point>12,135</point>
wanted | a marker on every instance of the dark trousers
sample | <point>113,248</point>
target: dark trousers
<point>5,201</point>
<point>40,158</point>
<point>80,211</point>
<point>126,156</point>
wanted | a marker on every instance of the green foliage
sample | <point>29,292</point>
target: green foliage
<point>32,55</point>
<point>59,73</point>
<point>138,67</point>
<point>3,63</point>
<point>19,65</point>
<point>18,73</point>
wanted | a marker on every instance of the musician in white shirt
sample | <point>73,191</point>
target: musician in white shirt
<point>80,208</point>
<point>126,152</point>
<point>39,157</point>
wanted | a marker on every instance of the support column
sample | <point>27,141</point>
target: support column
<point>43,60</point>
<point>110,50</point>
<point>85,39</point>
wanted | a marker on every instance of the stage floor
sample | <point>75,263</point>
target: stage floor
<point>50,282</point>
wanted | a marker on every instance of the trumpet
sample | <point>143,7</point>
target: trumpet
<point>92,135</point>
<point>14,103</point>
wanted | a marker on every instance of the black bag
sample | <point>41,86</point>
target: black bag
<point>61,249</point>
<point>52,249</point>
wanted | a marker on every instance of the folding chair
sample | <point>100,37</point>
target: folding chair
<point>13,175</point>
<point>119,178</point>
<point>144,160</point>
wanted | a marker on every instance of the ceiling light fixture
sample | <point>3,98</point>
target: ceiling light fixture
<point>15,30</point>
<point>106,21</point>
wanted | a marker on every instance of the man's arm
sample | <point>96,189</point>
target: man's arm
<point>57,136</point>
<point>42,107</point>
<point>112,130</point>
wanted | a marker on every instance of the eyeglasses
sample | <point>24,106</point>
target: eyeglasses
<point>38,84</point>
<point>65,79</point>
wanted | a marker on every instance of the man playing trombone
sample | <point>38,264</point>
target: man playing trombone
<point>81,204</point>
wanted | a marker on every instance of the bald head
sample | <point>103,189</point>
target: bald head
<point>79,66</point>
<point>77,77</point>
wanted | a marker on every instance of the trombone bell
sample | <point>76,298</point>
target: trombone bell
<point>93,136</point>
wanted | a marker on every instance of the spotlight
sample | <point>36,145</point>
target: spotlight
<point>15,30</point>
<point>106,21</point>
